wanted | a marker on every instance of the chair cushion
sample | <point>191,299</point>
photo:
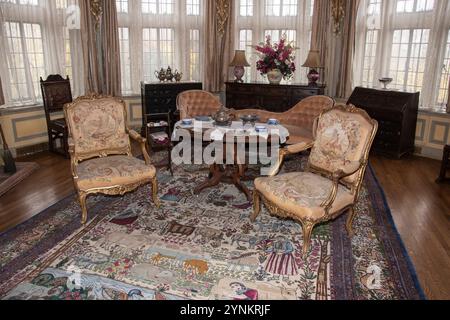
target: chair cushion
<point>302,193</point>
<point>112,171</point>
<point>195,103</point>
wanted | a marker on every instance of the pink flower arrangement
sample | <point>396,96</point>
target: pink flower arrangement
<point>276,56</point>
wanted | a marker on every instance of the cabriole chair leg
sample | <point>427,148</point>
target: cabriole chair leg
<point>350,218</point>
<point>82,198</point>
<point>155,193</point>
<point>256,206</point>
<point>307,228</point>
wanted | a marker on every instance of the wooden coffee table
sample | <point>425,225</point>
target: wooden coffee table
<point>228,173</point>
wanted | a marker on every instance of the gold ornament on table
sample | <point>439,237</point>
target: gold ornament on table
<point>338,13</point>
<point>178,76</point>
<point>223,13</point>
<point>169,74</point>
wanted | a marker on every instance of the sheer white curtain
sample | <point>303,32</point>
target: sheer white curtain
<point>37,41</point>
<point>255,19</point>
<point>155,34</point>
<point>408,40</point>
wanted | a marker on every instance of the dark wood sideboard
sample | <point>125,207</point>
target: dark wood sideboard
<point>260,95</point>
<point>396,113</point>
<point>161,97</point>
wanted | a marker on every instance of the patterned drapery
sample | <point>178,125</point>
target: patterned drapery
<point>333,35</point>
<point>101,51</point>
<point>219,46</point>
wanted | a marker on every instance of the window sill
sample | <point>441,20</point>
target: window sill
<point>434,111</point>
<point>131,96</point>
<point>20,109</point>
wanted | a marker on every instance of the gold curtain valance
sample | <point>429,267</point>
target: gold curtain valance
<point>338,13</point>
<point>96,8</point>
<point>223,14</point>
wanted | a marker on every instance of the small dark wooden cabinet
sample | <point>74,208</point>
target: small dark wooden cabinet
<point>260,95</point>
<point>161,97</point>
<point>396,113</point>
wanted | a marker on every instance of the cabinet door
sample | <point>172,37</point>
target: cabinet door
<point>242,101</point>
<point>275,104</point>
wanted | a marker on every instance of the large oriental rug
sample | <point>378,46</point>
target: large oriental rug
<point>202,247</point>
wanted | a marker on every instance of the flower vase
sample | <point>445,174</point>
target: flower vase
<point>274,76</point>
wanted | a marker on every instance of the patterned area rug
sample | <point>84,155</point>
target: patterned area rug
<point>9,181</point>
<point>202,247</point>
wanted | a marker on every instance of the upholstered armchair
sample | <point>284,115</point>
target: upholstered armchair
<point>193,103</point>
<point>100,150</point>
<point>299,120</point>
<point>332,180</point>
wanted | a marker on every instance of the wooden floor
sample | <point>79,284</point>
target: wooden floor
<point>420,207</point>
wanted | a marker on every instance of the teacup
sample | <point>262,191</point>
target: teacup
<point>187,122</point>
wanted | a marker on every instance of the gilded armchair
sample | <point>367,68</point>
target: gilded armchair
<point>100,150</point>
<point>332,180</point>
<point>193,103</point>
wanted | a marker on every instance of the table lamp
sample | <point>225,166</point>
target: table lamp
<point>313,62</point>
<point>239,62</point>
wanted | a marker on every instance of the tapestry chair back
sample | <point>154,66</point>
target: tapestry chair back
<point>344,136</point>
<point>195,103</point>
<point>97,127</point>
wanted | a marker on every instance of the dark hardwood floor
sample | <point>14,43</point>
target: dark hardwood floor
<point>421,209</point>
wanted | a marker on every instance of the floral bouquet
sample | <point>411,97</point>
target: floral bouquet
<point>277,56</point>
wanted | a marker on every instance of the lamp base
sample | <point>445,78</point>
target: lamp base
<point>313,77</point>
<point>239,73</point>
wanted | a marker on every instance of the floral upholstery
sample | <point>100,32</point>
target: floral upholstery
<point>333,177</point>
<point>100,150</point>
<point>301,116</point>
<point>342,138</point>
<point>195,103</point>
<point>302,193</point>
<point>97,125</point>
<point>112,171</point>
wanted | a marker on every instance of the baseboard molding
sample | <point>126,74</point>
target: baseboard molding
<point>30,150</point>
<point>427,152</point>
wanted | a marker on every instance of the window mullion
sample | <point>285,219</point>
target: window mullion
<point>408,60</point>
<point>27,65</point>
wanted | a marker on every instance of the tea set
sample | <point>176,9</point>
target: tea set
<point>224,118</point>
<point>167,75</point>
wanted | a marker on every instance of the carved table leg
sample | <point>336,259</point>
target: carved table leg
<point>236,177</point>
<point>215,177</point>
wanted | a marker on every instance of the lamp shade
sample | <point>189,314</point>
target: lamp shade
<point>313,60</point>
<point>239,59</point>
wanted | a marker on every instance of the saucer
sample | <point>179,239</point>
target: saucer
<point>187,122</point>
<point>260,128</point>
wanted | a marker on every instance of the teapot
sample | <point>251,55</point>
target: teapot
<point>169,74</point>
<point>178,76</point>
<point>161,75</point>
<point>223,117</point>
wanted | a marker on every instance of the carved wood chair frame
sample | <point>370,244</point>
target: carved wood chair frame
<point>336,177</point>
<point>76,158</point>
